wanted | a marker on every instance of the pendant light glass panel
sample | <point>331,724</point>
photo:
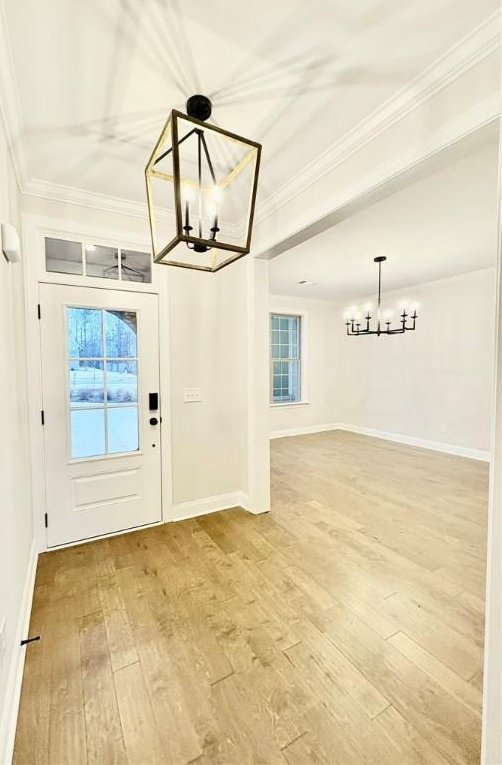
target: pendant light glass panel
<point>201,184</point>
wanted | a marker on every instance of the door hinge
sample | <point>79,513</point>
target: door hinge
<point>42,416</point>
<point>39,311</point>
<point>46,519</point>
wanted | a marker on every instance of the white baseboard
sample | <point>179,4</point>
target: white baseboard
<point>15,678</point>
<point>185,510</point>
<point>422,443</point>
<point>303,431</point>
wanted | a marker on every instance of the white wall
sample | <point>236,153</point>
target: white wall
<point>320,368</point>
<point>435,383</point>
<point>15,504</point>
<point>208,350</point>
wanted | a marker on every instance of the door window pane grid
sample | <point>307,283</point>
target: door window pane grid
<point>285,358</point>
<point>100,386</point>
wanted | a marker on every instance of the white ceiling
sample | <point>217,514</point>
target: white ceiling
<point>96,78</point>
<point>443,224</point>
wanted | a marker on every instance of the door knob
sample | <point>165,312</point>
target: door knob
<point>154,421</point>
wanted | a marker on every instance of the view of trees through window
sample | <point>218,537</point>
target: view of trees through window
<point>103,376</point>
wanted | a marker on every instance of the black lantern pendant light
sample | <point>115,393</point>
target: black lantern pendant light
<point>201,186</point>
<point>362,326</point>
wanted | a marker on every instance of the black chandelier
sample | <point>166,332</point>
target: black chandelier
<point>357,326</point>
<point>201,187</point>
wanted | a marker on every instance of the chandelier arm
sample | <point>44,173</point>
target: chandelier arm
<point>214,230</point>
<point>365,332</point>
<point>179,143</point>
<point>206,152</point>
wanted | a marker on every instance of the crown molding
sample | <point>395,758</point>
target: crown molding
<point>480,43</point>
<point>73,195</point>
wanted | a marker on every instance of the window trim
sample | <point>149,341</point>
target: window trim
<point>303,346</point>
<point>84,236</point>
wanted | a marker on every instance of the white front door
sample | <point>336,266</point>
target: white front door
<point>100,380</point>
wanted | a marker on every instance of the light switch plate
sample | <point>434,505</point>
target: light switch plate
<point>191,395</point>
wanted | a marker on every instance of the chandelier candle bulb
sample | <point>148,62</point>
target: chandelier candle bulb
<point>353,320</point>
<point>187,227</point>
<point>189,196</point>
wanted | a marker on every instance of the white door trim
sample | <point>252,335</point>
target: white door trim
<point>33,229</point>
<point>92,494</point>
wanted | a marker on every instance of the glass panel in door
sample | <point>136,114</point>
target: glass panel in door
<point>102,350</point>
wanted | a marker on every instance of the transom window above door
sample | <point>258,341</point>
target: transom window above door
<point>103,381</point>
<point>99,261</point>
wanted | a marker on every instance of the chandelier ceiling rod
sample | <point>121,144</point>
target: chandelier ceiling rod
<point>379,260</point>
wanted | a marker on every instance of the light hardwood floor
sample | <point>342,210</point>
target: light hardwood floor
<point>344,627</point>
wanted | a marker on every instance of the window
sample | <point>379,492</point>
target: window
<point>103,381</point>
<point>64,257</point>
<point>285,358</point>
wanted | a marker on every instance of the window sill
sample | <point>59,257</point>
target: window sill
<point>280,404</point>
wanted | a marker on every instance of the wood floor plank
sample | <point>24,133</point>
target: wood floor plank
<point>67,735</point>
<point>333,678</point>
<point>434,635</point>
<point>247,736</point>
<point>102,722</point>
<point>447,679</point>
<point>413,747</point>
<point>141,737</point>
<point>120,640</point>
